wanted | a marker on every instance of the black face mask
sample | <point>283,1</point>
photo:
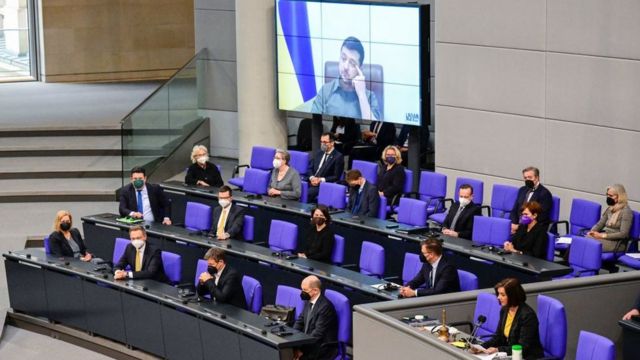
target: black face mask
<point>317,221</point>
<point>529,183</point>
<point>212,270</point>
<point>356,187</point>
<point>422,258</point>
<point>610,201</point>
<point>305,296</point>
<point>65,226</point>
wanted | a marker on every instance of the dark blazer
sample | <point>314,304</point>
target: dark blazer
<point>351,134</point>
<point>234,224</point>
<point>386,135</point>
<point>446,279</point>
<point>320,244</point>
<point>369,201</point>
<point>323,325</point>
<point>159,203</point>
<point>524,331</point>
<point>229,289</point>
<point>542,196</point>
<point>209,174</point>
<point>152,267</point>
<point>59,245</point>
<point>331,170</point>
<point>534,242</point>
<point>464,225</point>
<point>391,182</point>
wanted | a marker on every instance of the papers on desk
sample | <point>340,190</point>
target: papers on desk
<point>634,255</point>
<point>564,240</point>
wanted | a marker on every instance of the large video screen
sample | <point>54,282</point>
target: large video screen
<point>350,59</point>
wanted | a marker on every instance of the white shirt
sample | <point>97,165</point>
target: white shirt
<point>146,205</point>
<point>216,277</point>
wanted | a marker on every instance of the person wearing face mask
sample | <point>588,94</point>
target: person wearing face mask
<point>202,172</point>
<point>363,196</point>
<point>318,319</point>
<point>613,228</point>
<point>320,239</point>
<point>228,219</point>
<point>326,166</point>
<point>222,282</point>
<point>437,275</point>
<point>142,200</point>
<point>391,176</point>
<point>142,259</point>
<point>532,191</point>
<point>531,236</point>
<point>65,240</point>
<point>285,180</point>
<point>459,220</point>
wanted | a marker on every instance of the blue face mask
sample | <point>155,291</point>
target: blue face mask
<point>391,160</point>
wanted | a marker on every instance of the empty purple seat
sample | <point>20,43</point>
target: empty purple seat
<point>584,214</point>
<point>585,257</point>
<point>283,236</point>
<point>634,234</point>
<point>552,327</point>
<point>433,190</point>
<point>197,216</point>
<point>256,181</point>
<point>289,297</point>
<point>47,248</point>
<point>503,198</point>
<point>172,264</point>
<point>247,228</point>
<point>412,212</point>
<point>490,230</point>
<point>252,293</point>
<point>261,158</point>
<point>594,347</point>
<point>332,195</point>
<point>343,310</point>
<point>372,259</point>
<point>337,254</point>
<point>468,281</point>
<point>118,249</point>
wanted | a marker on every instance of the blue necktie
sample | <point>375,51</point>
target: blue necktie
<point>140,208</point>
<point>356,205</point>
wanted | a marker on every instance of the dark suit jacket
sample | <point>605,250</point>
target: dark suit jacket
<point>532,243</point>
<point>159,203</point>
<point>152,267</point>
<point>320,244</point>
<point>331,170</point>
<point>446,279</point>
<point>351,134</point>
<point>542,196</point>
<point>524,331</point>
<point>234,224</point>
<point>391,182</point>
<point>369,201</point>
<point>323,325</point>
<point>210,175</point>
<point>59,246</point>
<point>386,135</point>
<point>464,225</point>
<point>229,289</point>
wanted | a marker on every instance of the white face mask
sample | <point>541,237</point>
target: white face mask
<point>202,159</point>
<point>464,202</point>
<point>224,203</point>
<point>137,243</point>
<point>277,163</point>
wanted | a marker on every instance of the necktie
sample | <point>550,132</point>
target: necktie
<point>324,157</point>
<point>431,278</point>
<point>307,319</point>
<point>356,204</point>
<point>376,129</point>
<point>138,260</point>
<point>221,223</point>
<point>529,194</point>
<point>140,208</point>
<point>455,218</point>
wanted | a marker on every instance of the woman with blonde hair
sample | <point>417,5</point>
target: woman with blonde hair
<point>202,172</point>
<point>391,175</point>
<point>613,228</point>
<point>65,240</point>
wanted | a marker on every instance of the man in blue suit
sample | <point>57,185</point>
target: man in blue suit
<point>363,195</point>
<point>437,276</point>
<point>327,165</point>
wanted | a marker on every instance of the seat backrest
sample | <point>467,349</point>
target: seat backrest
<point>468,281</point>
<point>256,181</point>
<point>368,169</point>
<point>197,216</point>
<point>372,72</point>
<point>594,347</point>
<point>332,195</point>
<point>343,310</point>
<point>490,230</point>
<point>477,185</point>
<point>634,233</point>
<point>585,256</point>
<point>552,326</point>
<point>372,259</point>
<point>337,254</point>
<point>283,236</point>
<point>584,214</point>
<point>551,246</point>
<point>247,228</point>
<point>299,161</point>
<point>201,267</point>
<point>172,264</point>
<point>412,212</point>
<point>252,293</point>
<point>118,249</point>
<point>408,181</point>
<point>411,267</point>
<point>432,185</point>
<point>382,208</point>
<point>304,192</point>
<point>554,214</point>
<point>503,198</point>
<point>488,306</point>
<point>262,157</point>
<point>290,297</point>
<point>47,248</point>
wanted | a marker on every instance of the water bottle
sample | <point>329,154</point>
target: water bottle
<point>516,352</point>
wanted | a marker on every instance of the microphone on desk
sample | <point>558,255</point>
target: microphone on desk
<point>476,326</point>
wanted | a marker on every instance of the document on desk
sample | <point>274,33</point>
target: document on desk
<point>634,255</point>
<point>564,240</point>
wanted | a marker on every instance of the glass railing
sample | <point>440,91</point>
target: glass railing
<point>154,131</point>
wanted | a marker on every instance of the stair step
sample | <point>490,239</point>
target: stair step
<point>52,190</point>
<point>60,146</point>
<point>60,167</point>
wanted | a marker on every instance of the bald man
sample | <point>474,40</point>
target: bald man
<point>319,320</point>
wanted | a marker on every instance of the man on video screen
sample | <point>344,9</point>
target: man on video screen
<point>348,95</point>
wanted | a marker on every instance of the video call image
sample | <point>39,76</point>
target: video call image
<point>354,60</point>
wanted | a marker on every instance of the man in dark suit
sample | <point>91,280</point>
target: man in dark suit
<point>375,140</point>
<point>144,260</point>
<point>445,279</point>
<point>228,218</point>
<point>142,200</point>
<point>532,191</point>
<point>327,165</point>
<point>459,220</point>
<point>318,319</point>
<point>363,196</point>
<point>221,281</point>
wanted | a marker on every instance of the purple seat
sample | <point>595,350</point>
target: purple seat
<point>406,190</point>
<point>247,228</point>
<point>584,214</point>
<point>201,267</point>
<point>433,190</point>
<point>172,264</point>
<point>372,259</point>
<point>634,234</point>
<point>337,254</point>
<point>332,195</point>
<point>478,190</point>
<point>488,306</point>
<point>552,326</point>
<point>594,347</point>
<point>412,212</point>
<point>551,240</point>
<point>368,169</point>
<point>304,192</point>
<point>256,181</point>
<point>252,293</point>
<point>490,230</point>
<point>118,249</point>
<point>197,216</point>
<point>382,208</point>
<point>261,158</point>
<point>47,248</point>
<point>283,236</point>
<point>585,257</point>
<point>554,214</point>
<point>300,162</point>
<point>410,267</point>
<point>290,297</point>
<point>503,198</point>
<point>468,281</point>
<point>343,310</point>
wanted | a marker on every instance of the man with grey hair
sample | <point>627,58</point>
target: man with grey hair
<point>532,191</point>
